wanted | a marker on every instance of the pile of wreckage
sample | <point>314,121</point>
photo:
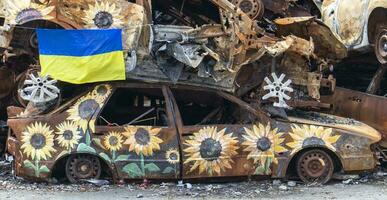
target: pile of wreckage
<point>224,45</point>
<point>277,54</point>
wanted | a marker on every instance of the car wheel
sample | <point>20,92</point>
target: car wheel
<point>315,166</point>
<point>381,44</point>
<point>82,167</point>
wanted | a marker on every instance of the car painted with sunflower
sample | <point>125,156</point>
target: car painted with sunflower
<point>156,131</point>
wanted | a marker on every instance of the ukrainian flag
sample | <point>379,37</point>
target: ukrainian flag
<point>81,56</point>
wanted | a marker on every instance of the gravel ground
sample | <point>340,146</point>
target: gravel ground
<point>372,186</point>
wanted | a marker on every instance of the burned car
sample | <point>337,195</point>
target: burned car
<point>162,131</point>
<point>359,24</point>
<point>207,43</point>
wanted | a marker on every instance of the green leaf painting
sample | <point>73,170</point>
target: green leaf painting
<point>168,170</point>
<point>36,168</point>
<point>105,157</point>
<point>152,167</point>
<point>28,164</point>
<point>85,149</point>
<point>132,170</point>
<point>44,169</point>
<point>122,158</point>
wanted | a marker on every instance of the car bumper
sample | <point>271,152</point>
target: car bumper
<point>359,163</point>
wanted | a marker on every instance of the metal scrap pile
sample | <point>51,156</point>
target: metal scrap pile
<point>226,45</point>
<point>270,53</point>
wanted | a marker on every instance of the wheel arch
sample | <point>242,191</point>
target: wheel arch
<point>377,16</point>
<point>292,161</point>
<point>59,167</point>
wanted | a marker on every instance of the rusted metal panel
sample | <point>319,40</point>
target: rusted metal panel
<point>326,44</point>
<point>364,107</point>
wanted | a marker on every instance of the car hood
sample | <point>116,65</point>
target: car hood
<point>346,124</point>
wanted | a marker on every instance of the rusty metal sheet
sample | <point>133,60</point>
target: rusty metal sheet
<point>326,43</point>
<point>364,107</point>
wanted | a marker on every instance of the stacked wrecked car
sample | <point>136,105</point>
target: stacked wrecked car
<point>214,88</point>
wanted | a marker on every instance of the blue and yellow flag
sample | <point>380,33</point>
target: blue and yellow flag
<point>81,56</point>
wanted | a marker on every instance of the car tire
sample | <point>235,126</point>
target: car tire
<point>381,43</point>
<point>81,167</point>
<point>315,166</point>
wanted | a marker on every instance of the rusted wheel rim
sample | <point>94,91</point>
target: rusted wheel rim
<point>381,47</point>
<point>81,167</point>
<point>315,167</point>
<point>253,8</point>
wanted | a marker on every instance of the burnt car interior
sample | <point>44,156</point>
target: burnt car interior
<point>206,108</point>
<point>145,107</point>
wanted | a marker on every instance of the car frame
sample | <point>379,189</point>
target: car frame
<point>314,146</point>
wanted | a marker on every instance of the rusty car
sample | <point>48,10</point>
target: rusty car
<point>360,24</point>
<point>131,131</point>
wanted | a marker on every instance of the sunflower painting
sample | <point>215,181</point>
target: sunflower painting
<point>68,135</point>
<point>262,143</point>
<point>20,11</point>
<point>143,141</point>
<point>311,135</point>
<point>103,91</point>
<point>81,113</point>
<point>210,150</point>
<point>37,144</point>
<point>113,143</point>
<point>103,15</point>
<point>173,158</point>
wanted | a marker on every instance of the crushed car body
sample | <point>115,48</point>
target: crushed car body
<point>164,41</point>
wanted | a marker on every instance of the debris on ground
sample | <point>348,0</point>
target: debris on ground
<point>251,189</point>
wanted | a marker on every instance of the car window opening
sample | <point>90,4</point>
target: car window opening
<point>206,108</point>
<point>145,107</point>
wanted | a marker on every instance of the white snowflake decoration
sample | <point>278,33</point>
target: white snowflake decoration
<point>39,89</point>
<point>277,89</point>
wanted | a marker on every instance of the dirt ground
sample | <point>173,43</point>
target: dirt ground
<point>361,191</point>
<point>368,186</point>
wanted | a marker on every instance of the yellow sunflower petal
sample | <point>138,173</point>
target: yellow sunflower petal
<point>332,139</point>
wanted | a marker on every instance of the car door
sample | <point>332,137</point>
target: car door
<point>348,19</point>
<point>137,133</point>
<point>214,143</point>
